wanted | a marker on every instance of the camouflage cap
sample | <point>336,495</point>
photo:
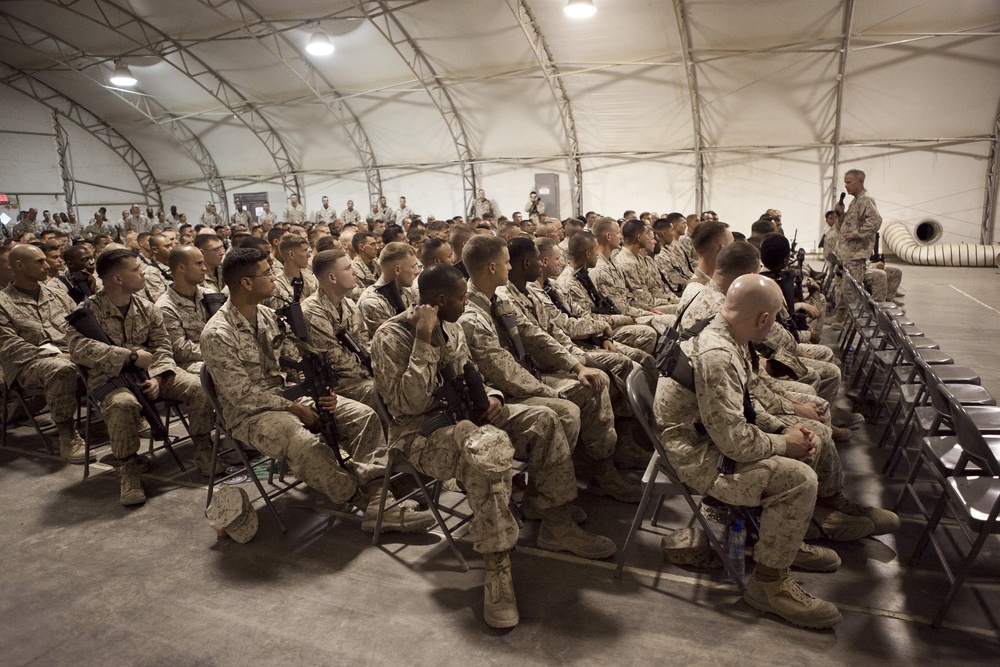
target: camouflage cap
<point>232,513</point>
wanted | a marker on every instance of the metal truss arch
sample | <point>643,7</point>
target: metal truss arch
<point>684,29</point>
<point>118,19</point>
<point>992,186</point>
<point>92,125</point>
<point>533,33</point>
<point>334,102</point>
<point>391,28</point>
<point>845,48</point>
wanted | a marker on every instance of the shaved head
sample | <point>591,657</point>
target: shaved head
<point>24,252</point>
<point>752,302</point>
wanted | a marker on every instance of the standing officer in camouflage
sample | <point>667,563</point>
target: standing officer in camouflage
<point>135,328</point>
<point>33,346</point>
<point>295,212</point>
<point>410,352</point>
<point>856,229</point>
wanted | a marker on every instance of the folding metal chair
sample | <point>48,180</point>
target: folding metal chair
<point>218,433</point>
<point>20,395</point>
<point>168,409</point>
<point>972,497</point>
<point>660,476</point>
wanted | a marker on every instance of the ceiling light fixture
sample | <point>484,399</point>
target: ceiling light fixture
<point>122,76</point>
<point>580,9</point>
<point>320,44</point>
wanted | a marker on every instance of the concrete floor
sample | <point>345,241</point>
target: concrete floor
<point>86,582</point>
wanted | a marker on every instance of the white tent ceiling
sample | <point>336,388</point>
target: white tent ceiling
<point>703,102</point>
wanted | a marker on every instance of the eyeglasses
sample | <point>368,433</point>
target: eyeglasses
<point>261,275</point>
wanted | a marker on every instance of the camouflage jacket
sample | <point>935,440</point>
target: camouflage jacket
<point>406,373</point>
<point>643,284</point>
<point>283,292</point>
<point>213,280</point>
<point>857,229</point>
<point>141,327</point>
<point>185,319</point>
<point>491,349</point>
<point>325,321</point>
<point>295,213</point>
<point>27,324</point>
<point>695,427</point>
<point>158,279</point>
<point>244,366</point>
<point>366,273</point>
<point>375,308</point>
<point>534,310</point>
<point>578,325</point>
<point>610,282</point>
<point>572,288</point>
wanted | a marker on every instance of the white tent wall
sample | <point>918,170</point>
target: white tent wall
<point>663,184</point>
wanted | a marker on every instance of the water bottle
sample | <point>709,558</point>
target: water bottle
<point>736,543</point>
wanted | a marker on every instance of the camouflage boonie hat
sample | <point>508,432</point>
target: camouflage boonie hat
<point>232,513</point>
<point>689,546</point>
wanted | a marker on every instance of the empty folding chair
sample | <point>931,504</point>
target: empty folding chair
<point>218,433</point>
<point>973,500</point>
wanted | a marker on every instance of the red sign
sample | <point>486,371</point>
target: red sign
<point>4,199</point>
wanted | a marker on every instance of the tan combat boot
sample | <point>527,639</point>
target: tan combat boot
<point>499,604</point>
<point>774,592</point>
<point>559,533</point>
<point>883,521</point>
<point>603,479</point>
<point>71,445</point>
<point>131,483</point>
<point>405,517</point>
<point>816,559</point>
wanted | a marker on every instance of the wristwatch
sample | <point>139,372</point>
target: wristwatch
<point>133,357</point>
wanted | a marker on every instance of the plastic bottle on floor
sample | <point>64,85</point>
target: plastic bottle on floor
<point>736,543</point>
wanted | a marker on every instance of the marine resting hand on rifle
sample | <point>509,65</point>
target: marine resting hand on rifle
<point>308,416</point>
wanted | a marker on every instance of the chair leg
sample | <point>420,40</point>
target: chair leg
<point>647,492</point>
<point>431,501</point>
<point>932,524</point>
<point>381,503</point>
<point>910,481</point>
<point>216,439</point>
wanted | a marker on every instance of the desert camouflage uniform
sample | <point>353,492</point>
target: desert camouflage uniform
<point>185,319</point>
<point>856,241</point>
<point>696,427</point>
<point>325,321</point>
<point>640,336</point>
<point>643,283</point>
<point>270,216</point>
<point>295,214</point>
<point>325,216</point>
<point>158,279</point>
<point>141,328</point>
<point>283,291</point>
<point>383,214</point>
<point>402,214</point>
<point>406,375</point>
<point>671,273</point>
<point>366,273</point>
<point>25,326</point>
<point>820,371</point>
<point>213,280</point>
<point>583,415</point>
<point>249,380</point>
<point>138,224</point>
<point>375,308</point>
<point>210,219</point>
<point>112,229</point>
<point>350,217</point>
<point>610,281</point>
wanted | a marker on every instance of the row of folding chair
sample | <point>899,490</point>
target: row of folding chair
<point>940,423</point>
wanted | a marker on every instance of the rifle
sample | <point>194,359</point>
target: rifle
<point>319,378</point>
<point>350,343</point>
<point>553,294</point>
<point>131,376</point>
<point>876,255</point>
<point>795,239</point>
<point>212,302</point>
<point>460,265</point>
<point>602,305</point>
<point>78,285</point>
<point>462,397</point>
<point>391,294</point>
<point>503,313</point>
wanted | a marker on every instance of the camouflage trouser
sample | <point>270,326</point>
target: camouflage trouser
<point>193,367</point>
<point>121,411</point>
<point>58,377</point>
<point>824,377</point>
<point>786,490</point>
<point>278,434</point>
<point>856,269</point>
<point>362,391</point>
<point>877,283</point>
<point>826,460</point>
<point>617,366</point>
<point>638,336</point>
<point>481,458</point>
<point>659,322</point>
<point>894,276</point>
<point>818,352</point>
<point>596,424</point>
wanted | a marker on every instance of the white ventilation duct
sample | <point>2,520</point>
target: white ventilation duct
<point>898,239</point>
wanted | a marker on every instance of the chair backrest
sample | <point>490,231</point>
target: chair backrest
<point>639,388</point>
<point>208,385</point>
<point>970,438</point>
<point>934,386</point>
<point>907,351</point>
<point>382,410</point>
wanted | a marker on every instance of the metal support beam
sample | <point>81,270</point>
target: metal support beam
<point>684,28</point>
<point>277,42</point>
<point>391,28</point>
<point>65,164</point>
<point>992,186</point>
<point>44,44</point>
<point>845,47</point>
<point>533,33</point>
<point>90,123</point>
<point>130,26</point>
